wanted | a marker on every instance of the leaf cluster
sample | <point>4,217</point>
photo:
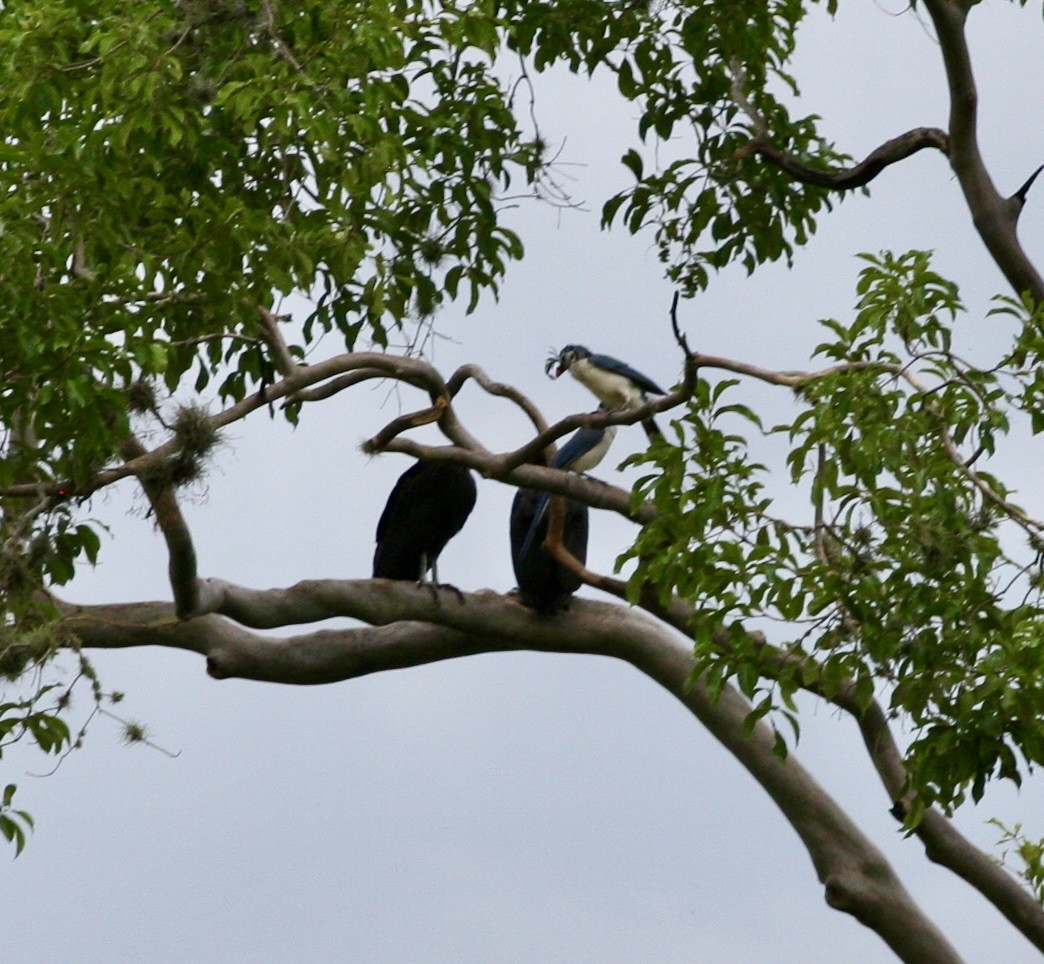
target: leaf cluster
<point>911,576</point>
<point>1030,853</point>
<point>168,169</point>
<point>714,72</point>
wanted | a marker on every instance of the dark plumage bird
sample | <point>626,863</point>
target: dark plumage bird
<point>584,450</point>
<point>428,506</point>
<point>544,584</point>
<point>613,382</point>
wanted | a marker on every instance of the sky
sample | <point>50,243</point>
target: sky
<point>513,807</point>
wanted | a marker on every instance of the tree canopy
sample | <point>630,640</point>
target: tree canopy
<point>214,210</point>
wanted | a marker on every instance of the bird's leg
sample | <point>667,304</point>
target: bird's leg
<point>436,586</point>
<point>433,584</point>
<point>433,587</point>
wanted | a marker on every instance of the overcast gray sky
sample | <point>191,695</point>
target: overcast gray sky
<point>513,807</point>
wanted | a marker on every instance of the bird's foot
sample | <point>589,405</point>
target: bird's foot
<point>434,587</point>
<point>452,588</point>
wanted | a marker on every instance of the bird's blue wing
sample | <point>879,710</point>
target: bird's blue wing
<point>618,367</point>
<point>580,443</point>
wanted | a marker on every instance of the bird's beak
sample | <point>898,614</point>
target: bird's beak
<point>551,362</point>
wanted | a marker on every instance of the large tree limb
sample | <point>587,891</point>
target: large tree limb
<point>943,843</point>
<point>856,877</point>
<point>995,217</point>
<point>381,603</point>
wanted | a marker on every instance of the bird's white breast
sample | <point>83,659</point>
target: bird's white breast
<point>596,453</point>
<point>616,391</point>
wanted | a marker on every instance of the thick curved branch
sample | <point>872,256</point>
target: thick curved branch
<point>358,366</point>
<point>338,384</point>
<point>404,423</point>
<point>943,843</point>
<point>995,217</point>
<point>856,877</point>
<point>859,175</point>
<point>501,389</point>
<point>342,371</point>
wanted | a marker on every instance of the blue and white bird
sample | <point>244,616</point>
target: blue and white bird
<point>584,450</point>
<point>613,382</point>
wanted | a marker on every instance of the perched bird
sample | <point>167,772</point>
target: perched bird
<point>544,584</point>
<point>584,450</point>
<point>613,382</point>
<point>428,506</point>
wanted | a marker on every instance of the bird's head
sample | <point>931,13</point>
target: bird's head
<point>562,361</point>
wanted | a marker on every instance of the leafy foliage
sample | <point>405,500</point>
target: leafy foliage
<point>911,572</point>
<point>13,823</point>
<point>20,719</point>
<point>718,71</point>
<point>172,169</point>
<point>1030,853</point>
<point>169,170</point>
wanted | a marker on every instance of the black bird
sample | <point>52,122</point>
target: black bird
<point>428,506</point>
<point>544,584</point>
<point>585,448</point>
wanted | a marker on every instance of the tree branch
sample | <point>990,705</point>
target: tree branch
<point>359,365</point>
<point>501,389</point>
<point>181,554</point>
<point>856,877</point>
<point>994,216</point>
<point>271,335</point>
<point>943,843</point>
<point>846,179</point>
